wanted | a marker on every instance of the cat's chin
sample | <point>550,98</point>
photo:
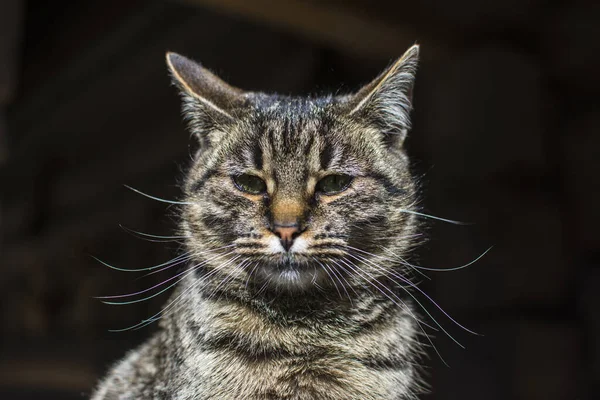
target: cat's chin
<point>293,275</point>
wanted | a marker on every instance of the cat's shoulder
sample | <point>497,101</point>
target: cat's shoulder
<point>134,376</point>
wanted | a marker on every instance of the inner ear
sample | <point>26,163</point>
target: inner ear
<point>198,82</point>
<point>210,105</point>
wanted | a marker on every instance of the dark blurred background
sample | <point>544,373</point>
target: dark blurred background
<point>505,136</point>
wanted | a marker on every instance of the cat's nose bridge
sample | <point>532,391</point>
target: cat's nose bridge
<point>286,211</point>
<point>287,219</point>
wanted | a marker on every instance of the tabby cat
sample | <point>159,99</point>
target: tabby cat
<point>297,221</point>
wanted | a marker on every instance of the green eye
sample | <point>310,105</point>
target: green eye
<point>250,184</point>
<point>333,184</point>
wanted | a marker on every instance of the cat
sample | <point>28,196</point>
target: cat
<point>295,220</point>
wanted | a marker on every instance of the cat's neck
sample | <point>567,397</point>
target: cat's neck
<point>248,311</point>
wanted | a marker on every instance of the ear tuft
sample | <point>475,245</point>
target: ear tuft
<point>387,100</point>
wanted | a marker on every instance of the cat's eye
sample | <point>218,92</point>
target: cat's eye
<point>250,184</point>
<point>333,184</point>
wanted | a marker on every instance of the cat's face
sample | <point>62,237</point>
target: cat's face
<point>297,194</point>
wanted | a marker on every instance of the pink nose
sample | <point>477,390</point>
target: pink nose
<point>287,234</point>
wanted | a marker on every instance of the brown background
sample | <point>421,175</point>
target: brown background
<point>505,136</point>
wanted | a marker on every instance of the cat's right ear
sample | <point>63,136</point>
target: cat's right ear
<point>209,104</point>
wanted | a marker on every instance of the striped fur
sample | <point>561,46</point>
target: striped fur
<point>329,319</point>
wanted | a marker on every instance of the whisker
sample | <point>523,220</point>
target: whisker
<point>176,259</point>
<point>418,267</point>
<point>175,303</point>
<point>389,259</point>
<point>140,269</point>
<point>184,273</point>
<point>413,235</point>
<point>339,275</point>
<point>420,214</point>
<point>238,269</point>
<point>230,276</point>
<point>418,302</point>
<point>404,305</point>
<point>454,268</point>
<point>379,288</point>
<point>346,271</point>
<point>157,198</point>
<point>347,283</point>
<point>159,315</point>
<point>159,238</point>
<point>415,268</point>
<point>393,273</point>
<point>193,255</point>
<point>326,269</point>
<point>178,262</point>
<point>264,286</point>
<point>250,274</point>
<point>162,283</point>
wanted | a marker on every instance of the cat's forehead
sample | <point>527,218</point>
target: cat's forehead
<point>292,127</point>
<point>294,137</point>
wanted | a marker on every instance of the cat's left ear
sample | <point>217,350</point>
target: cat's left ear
<point>386,102</point>
<point>208,102</point>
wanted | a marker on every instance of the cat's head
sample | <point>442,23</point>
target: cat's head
<point>297,193</point>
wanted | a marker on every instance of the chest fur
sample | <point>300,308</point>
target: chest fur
<point>225,375</point>
<point>230,357</point>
